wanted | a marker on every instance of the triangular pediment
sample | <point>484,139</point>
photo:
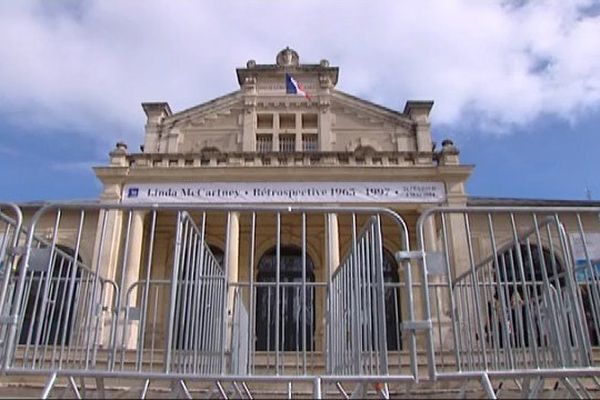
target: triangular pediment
<point>366,113</point>
<point>206,114</point>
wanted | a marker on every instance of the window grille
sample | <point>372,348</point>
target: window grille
<point>309,142</point>
<point>287,143</point>
<point>264,143</point>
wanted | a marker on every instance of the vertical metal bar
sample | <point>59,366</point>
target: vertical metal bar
<point>173,296</point>
<point>304,324</point>
<point>528,315</point>
<point>476,293</point>
<point>204,332</point>
<point>367,310</point>
<point>516,301</point>
<point>383,363</point>
<point>49,273</point>
<point>225,294</point>
<point>251,316</point>
<point>594,292</point>
<point>145,293</point>
<point>502,294</point>
<point>451,296</point>
<point>493,320</point>
<point>7,277</point>
<point>362,309</point>
<point>185,324</point>
<point>277,293</point>
<point>546,282</point>
<point>193,300</point>
<point>154,323</point>
<point>180,321</point>
<point>534,304</point>
<point>59,321</point>
<point>199,311</point>
<point>216,299</point>
<point>73,277</point>
<point>124,290</point>
<point>355,293</point>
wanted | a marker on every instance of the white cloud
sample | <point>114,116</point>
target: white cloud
<point>89,65</point>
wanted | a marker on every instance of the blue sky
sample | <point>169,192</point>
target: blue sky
<point>516,84</point>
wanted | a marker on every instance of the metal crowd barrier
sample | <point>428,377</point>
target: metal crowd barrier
<point>111,291</point>
<point>11,220</point>
<point>514,293</point>
<point>143,292</point>
<point>356,328</point>
<point>54,311</point>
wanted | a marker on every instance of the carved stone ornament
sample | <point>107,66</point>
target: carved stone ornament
<point>287,58</point>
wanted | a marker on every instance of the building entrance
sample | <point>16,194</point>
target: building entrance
<point>283,329</point>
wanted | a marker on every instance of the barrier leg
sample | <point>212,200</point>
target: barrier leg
<point>534,392</point>
<point>74,388</point>
<point>221,390</point>
<point>101,393</point>
<point>317,388</point>
<point>183,389</point>
<point>572,391</point>
<point>487,386</point>
<point>144,390</point>
<point>48,387</point>
<point>83,391</point>
<point>359,392</point>
<point>246,390</point>
<point>339,386</point>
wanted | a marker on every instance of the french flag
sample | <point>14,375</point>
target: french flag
<point>292,86</point>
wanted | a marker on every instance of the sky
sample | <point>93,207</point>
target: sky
<point>516,84</point>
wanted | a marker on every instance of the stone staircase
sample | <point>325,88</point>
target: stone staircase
<point>31,386</point>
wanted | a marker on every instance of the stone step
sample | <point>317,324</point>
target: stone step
<point>120,388</point>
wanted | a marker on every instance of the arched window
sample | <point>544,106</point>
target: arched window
<point>521,293</point>
<point>292,309</point>
<point>218,253</point>
<point>54,326</point>
<point>393,310</point>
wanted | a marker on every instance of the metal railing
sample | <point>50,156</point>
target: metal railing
<point>512,305</point>
<point>114,291</point>
<point>356,326</point>
<point>11,219</point>
<point>141,292</point>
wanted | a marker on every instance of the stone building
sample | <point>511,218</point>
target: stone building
<point>277,181</point>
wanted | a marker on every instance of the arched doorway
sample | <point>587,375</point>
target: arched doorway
<point>521,291</point>
<point>393,309</point>
<point>292,308</point>
<point>54,326</point>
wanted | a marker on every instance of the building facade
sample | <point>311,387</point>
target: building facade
<point>289,228</point>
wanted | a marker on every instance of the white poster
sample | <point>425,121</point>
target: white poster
<point>592,245</point>
<point>285,192</point>
<point>592,242</point>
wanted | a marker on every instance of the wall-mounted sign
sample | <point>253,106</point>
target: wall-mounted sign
<point>586,253</point>
<point>285,192</point>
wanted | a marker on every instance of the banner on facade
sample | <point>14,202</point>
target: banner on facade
<point>586,253</point>
<point>285,192</point>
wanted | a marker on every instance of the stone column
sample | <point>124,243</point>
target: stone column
<point>105,260</point>
<point>298,131</point>
<point>332,242</point>
<point>331,260</point>
<point>325,123</point>
<point>232,254</point>
<point>131,273</point>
